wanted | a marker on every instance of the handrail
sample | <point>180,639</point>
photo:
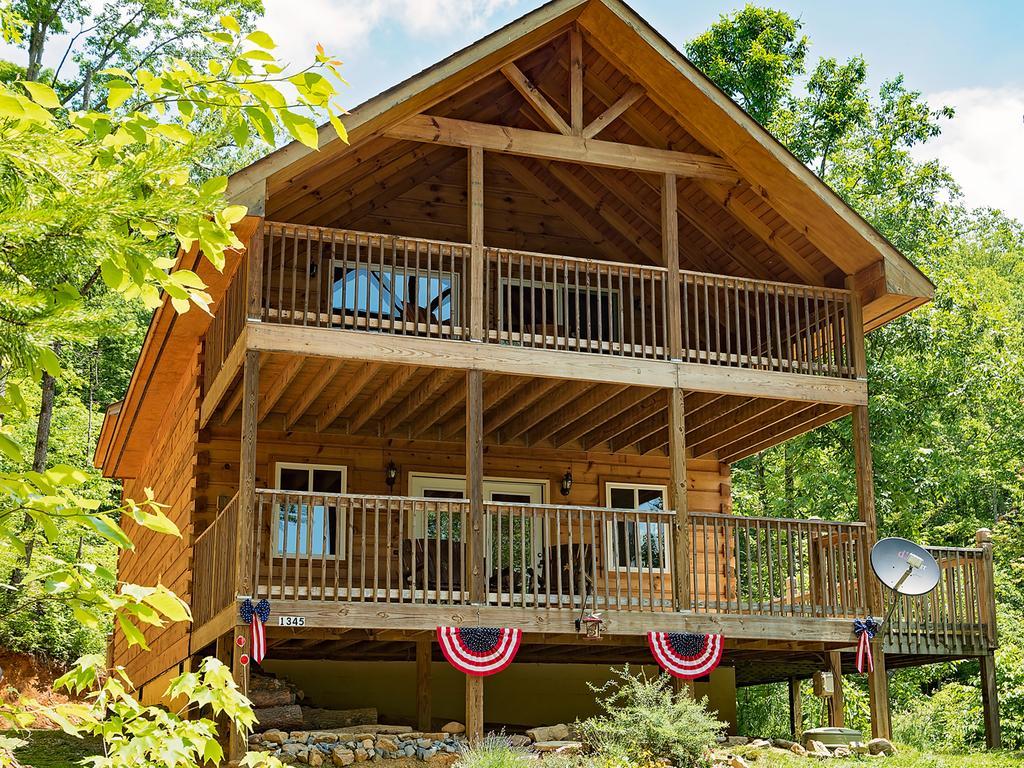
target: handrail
<point>213,567</point>
<point>338,278</point>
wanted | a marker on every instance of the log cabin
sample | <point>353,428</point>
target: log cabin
<point>490,363</point>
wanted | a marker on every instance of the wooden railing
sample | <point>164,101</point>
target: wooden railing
<point>777,567</point>
<point>334,278</point>
<point>957,615</point>
<point>766,325</point>
<point>580,305</point>
<point>391,549</point>
<point>399,549</point>
<point>213,566</point>
<point>226,326</point>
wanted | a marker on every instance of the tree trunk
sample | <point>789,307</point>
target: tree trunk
<point>287,718</point>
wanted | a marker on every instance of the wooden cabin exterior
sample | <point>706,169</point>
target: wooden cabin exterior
<point>559,254</point>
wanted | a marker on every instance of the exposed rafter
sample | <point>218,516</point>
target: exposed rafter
<point>382,396</point>
<point>280,385</point>
<point>570,149</point>
<point>324,376</point>
<point>349,392</point>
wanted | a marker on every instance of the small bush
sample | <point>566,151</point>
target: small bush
<point>950,720</point>
<point>494,752</point>
<point>644,722</point>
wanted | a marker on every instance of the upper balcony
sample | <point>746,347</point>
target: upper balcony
<point>320,278</point>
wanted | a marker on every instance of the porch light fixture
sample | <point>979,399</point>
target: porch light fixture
<point>391,475</point>
<point>566,485</point>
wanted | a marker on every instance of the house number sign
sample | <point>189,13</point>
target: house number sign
<point>291,621</point>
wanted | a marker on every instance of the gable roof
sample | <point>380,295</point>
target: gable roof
<point>889,284</point>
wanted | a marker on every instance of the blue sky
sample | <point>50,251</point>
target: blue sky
<point>959,52</point>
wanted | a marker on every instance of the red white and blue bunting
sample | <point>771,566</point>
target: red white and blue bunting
<point>685,655</point>
<point>256,616</point>
<point>865,631</point>
<point>479,651</point>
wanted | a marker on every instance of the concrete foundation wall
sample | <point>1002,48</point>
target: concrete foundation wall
<point>522,695</point>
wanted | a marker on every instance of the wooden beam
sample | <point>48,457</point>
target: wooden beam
<point>612,112</point>
<point>678,499</point>
<point>323,377</point>
<point>242,577</point>
<point>396,186</point>
<point>525,397</point>
<point>804,421</point>
<point>474,709</point>
<point>557,401</point>
<point>576,80</point>
<point>381,397</point>
<point>726,198</point>
<point>348,393</point>
<point>536,99</point>
<point>475,485</point>
<point>224,379</point>
<point>655,138</point>
<point>450,401</point>
<point>641,429</point>
<point>579,408</point>
<point>594,197</point>
<point>836,703</point>
<point>578,221</point>
<point>419,398</point>
<point>990,702</point>
<point>280,385</point>
<point>475,196</point>
<point>496,391</point>
<point>878,694</point>
<point>796,710</point>
<point>549,363</point>
<point>670,258</point>
<point>754,415</point>
<point>605,429</point>
<point>570,149</point>
<point>424,658</point>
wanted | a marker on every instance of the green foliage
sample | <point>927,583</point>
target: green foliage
<point>645,721</point>
<point>494,751</point>
<point>947,381</point>
<point>147,737</point>
<point>949,720</point>
<point>753,55</point>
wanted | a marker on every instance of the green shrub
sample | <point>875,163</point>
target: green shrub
<point>494,752</point>
<point>949,720</point>
<point>644,722</point>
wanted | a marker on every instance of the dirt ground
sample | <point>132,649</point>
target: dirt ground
<point>29,677</point>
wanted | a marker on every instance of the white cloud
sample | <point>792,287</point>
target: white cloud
<point>345,26</point>
<point>983,146</point>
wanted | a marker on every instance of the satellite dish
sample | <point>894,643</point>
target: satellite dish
<point>904,567</point>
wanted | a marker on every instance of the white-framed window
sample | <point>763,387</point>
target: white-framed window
<point>637,545</point>
<point>500,490</point>
<point>395,292</point>
<point>305,529</point>
<point>582,311</point>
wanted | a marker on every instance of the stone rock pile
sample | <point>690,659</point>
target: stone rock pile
<point>345,746</point>
<point>753,749</point>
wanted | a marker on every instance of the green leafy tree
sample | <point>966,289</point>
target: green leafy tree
<point>101,199</point>
<point>753,55</point>
<point>947,381</point>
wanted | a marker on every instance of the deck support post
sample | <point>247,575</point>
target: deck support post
<point>836,704</point>
<point>990,702</point>
<point>424,656</point>
<point>677,499</point>
<point>670,256</point>
<point>987,611</point>
<point>474,709</point>
<point>796,709</point>
<point>236,742</point>
<point>475,196</point>
<point>682,687</point>
<point>247,472</point>
<point>878,682</point>
<point>475,485</point>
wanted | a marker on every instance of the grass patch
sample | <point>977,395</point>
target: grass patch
<point>54,749</point>
<point>905,758</point>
